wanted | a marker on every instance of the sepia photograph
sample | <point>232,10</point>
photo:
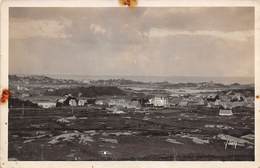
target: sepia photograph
<point>131,84</point>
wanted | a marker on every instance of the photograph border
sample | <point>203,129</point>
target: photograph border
<point>4,61</point>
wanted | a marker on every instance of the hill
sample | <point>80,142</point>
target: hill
<point>91,91</point>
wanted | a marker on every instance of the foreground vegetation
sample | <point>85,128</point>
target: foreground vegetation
<point>93,133</point>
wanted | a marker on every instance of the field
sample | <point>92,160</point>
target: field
<point>94,133</point>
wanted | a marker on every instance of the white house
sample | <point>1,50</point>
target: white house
<point>100,102</point>
<point>72,102</point>
<point>50,90</point>
<point>46,104</point>
<point>217,103</point>
<point>117,102</point>
<point>225,112</point>
<point>159,101</point>
<point>25,95</point>
<point>82,102</point>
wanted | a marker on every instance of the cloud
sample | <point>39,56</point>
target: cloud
<point>202,18</point>
<point>97,29</point>
<point>172,11</point>
<point>32,28</point>
<point>144,41</point>
<point>233,35</point>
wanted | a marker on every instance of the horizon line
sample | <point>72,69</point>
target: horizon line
<point>45,74</point>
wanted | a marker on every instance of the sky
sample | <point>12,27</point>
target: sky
<point>174,41</point>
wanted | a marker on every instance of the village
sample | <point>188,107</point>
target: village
<point>176,121</point>
<point>224,102</point>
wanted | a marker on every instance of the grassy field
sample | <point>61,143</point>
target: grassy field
<point>94,133</point>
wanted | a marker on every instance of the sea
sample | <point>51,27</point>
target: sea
<point>170,79</point>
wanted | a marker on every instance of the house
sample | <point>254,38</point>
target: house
<point>159,101</point>
<point>21,88</point>
<point>237,98</point>
<point>238,104</point>
<point>201,102</point>
<point>230,105</point>
<point>73,102</point>
<point>196,102</point>
<point>102,102</point>
<point>209,105</point>
<point>142,101</point>
<point>61,100</point>
<point>82,102</point>
<point>50,90</point>
<point>250,102</point>
<point>124,103</point>
<point>117,102</point>
<point>25,95</point>
<point>217,102</point>
<point>118,112</point>
<point>134,104</point>
<point>225,112</point>
<point>212,97</point>
<point>174,101</point>
<point>46,104</point>
<point>225,98</point>
<point>67,100</point>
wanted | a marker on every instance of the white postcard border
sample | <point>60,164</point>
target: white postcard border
<point>114,3</point>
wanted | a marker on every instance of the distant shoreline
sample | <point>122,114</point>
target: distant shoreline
<point>170,79</point>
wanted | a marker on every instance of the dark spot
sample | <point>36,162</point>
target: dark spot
<point>5,95</point>
<point>129,3</point>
